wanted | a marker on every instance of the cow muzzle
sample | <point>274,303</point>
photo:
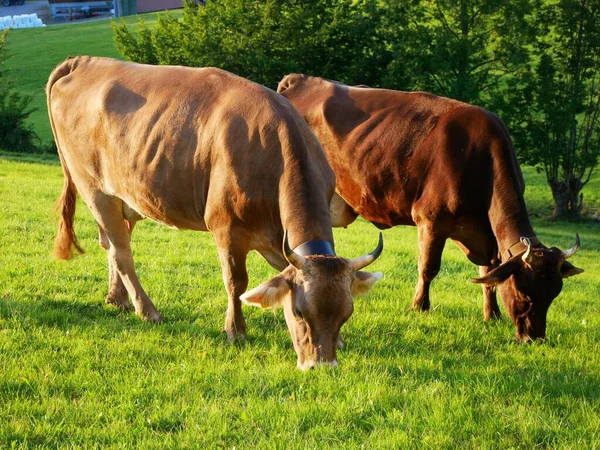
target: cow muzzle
<point>306,365</point>
<point>531,329</point>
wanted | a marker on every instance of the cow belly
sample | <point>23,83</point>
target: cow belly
<point>168,216</point>
<point>162,208</point>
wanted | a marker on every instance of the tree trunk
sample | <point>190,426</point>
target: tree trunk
<point>568,199</point>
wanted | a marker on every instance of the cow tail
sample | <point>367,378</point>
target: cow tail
<point>65,235</point>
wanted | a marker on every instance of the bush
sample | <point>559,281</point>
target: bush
<point>264,40</point>
<point>15,133</point>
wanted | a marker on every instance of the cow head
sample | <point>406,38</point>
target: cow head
<point>528,282</point>
<point>316,294</point>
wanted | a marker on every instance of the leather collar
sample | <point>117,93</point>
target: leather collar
<point>316,247</point>
<point>519,247</point>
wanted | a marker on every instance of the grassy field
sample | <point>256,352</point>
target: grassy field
<point>76,373</point>
<point>36,51</point>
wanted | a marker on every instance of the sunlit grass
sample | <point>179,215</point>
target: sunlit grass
<point>77,373</point>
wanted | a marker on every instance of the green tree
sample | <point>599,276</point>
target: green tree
<point>15,133</point>
<point>264,40</point>
<point>559,123</point>
<point>456,48</point>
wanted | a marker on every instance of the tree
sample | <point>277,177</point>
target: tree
<point>560,126</point>
<point>15,133</point>
<point>456,48</point>
<point>264,40</point>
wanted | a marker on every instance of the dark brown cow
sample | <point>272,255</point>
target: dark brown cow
<point>411,158</point>
<point>203,149</point>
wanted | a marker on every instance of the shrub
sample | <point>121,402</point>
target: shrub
<point>15,133</point>
<point>264,40</point>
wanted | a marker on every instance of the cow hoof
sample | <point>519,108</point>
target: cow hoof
<point>494,315</point>
<point>153,316</point>
<point>235,336</point>
<point>421,306</point>
<point>340,343</point>
<point>120,302</point>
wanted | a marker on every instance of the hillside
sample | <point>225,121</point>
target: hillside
<point>36,51</point>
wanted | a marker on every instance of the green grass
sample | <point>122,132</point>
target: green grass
<point>76,373</point>
<point>37,51</point>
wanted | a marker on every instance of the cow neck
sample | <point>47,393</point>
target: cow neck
<point>508,215</point>
<point>304,201</point>
<point>307,223</point>
<point>509,229</point>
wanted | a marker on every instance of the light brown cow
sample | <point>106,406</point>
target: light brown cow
<point>449,168</point>
<point>203,149</point>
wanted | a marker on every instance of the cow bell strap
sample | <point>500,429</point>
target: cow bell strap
<point>519,247</point>
<point>316,247</point>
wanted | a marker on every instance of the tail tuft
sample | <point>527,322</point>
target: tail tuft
<point>65,236</point>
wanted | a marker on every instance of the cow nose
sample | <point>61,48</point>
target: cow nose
<point>523,338</point>
<point>333,363</point>
<point>303,366</point>
<point>530,337</point>
<point>306,365</point>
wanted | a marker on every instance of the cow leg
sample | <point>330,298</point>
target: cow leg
<point>490,302</point>
<point>431,246</point>
<point>117,293</point>
<point>109,215</point>
<point>232,254</point>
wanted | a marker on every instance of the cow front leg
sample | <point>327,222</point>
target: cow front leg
<point>232,254</point>
<point>431,246</point>
<point>117,293</point>
<point>490,302</point>
<point>108,212</point>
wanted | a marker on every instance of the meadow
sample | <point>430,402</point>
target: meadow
<point>77,373</point>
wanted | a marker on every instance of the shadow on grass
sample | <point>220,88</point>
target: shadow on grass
<point>67,315</point>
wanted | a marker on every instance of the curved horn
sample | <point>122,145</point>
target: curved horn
<point>568,253</point>
<point>293,258</point>
<point>364,261</point>
<point>527,256</point>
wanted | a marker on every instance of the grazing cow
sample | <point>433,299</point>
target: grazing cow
<point>203,149</point>
<point>449,168</point>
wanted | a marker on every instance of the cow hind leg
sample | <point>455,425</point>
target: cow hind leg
<point>233,251</point>
<point>117,293</point>
<point>490,302</point>
<point>431,246</point>
<point>108,211</point>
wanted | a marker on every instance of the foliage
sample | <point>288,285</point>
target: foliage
<point>559,105</point>
<point>264,40</point>
<point>15,133</point>
<point>76,373</point>
<point>459,49</point>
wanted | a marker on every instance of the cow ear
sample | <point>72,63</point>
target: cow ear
<point>501,273</point>
<point>364,281</point>
<point>286,82</point>
<point>569,270</point>
<point>270,294</point>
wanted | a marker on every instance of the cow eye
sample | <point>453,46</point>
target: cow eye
<point>297,312</point>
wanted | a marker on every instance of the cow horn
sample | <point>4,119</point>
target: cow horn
<point>292,257</point>
<point>568,253</point>
<point>364,261</point>
<point>527,256</point>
